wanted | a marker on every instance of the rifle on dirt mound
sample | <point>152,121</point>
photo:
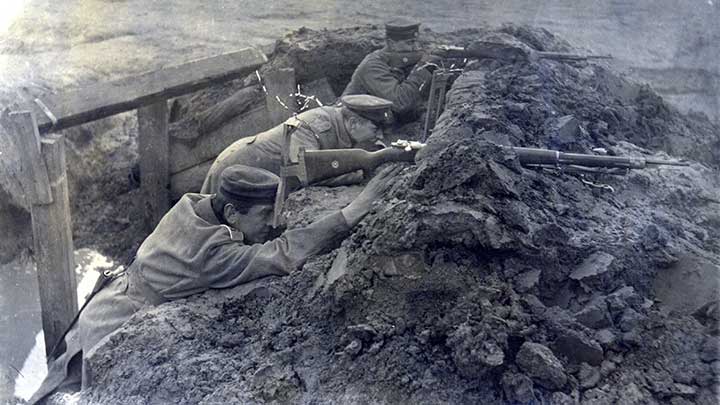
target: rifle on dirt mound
<point>508,52</point>
<point>314,166</point>
<point>481,49</point>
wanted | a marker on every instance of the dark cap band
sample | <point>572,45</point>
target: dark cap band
<point>374,108</point>
<point>401,29</point>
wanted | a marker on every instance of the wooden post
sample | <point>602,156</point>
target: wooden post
<point>280,83</point>
<point>45,180</point>
<point>23,128</point>
<point>154,146</point>
<point>52,230</point>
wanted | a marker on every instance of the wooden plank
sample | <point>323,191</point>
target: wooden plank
<point>189,180</point>
<point>280,83</point>
<point>109,98</point>
<point>52,234</point>
<point>217,115</point>
<point>11,167</point>
<point>154,146</point>
<point>22,127</point>
<point>186,154</point>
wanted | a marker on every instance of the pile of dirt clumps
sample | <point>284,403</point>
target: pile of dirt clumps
<point>475,280</point>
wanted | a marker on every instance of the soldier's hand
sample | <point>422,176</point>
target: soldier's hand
<point>431,57</point>
<point>376,188</point>
<point>379,185</point>
<point>429,61</point>
<point>440,51</point>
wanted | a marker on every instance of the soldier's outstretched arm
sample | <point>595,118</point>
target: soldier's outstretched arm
<point>236,263</point>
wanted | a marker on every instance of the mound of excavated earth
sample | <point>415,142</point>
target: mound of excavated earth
<point>475,280</point>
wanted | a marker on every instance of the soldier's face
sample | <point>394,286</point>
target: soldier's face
<point>405,45</point>
<point>404,53</point>
<point>365,132</point>
<point>256,224</point>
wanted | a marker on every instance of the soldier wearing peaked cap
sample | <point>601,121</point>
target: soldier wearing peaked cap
<point>399,72</point>
<point>356,123</point>
<point>204,242</point>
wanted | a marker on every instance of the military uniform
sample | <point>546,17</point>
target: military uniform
<point>316,129</point>
<point>189,252</point>
<point>319,128</point>
<point>377,75</point>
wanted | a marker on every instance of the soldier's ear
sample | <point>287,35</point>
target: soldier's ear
<point>230,213</point>
<point>352,122</point>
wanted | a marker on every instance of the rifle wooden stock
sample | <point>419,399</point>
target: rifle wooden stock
<point>325,164</point>
<point>317,165</point>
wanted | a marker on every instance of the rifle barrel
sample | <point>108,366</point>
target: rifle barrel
<point>661,162</point>
<point>570,56</point>
<point>489,50</point>
<point>318,165</point>
<point>534,156</point>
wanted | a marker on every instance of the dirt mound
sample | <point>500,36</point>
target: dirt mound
<point>476,280</point>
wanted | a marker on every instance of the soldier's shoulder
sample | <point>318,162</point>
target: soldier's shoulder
<point>375,58</point>
<point>319,119</point>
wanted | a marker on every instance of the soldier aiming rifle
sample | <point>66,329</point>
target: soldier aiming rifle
<point>318,165</point>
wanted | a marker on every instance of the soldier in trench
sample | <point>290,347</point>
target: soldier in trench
<point>204,242</point>
<point>357,122</point>
<point>399,72</point>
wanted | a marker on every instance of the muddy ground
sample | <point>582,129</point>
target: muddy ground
<point>49,46</point>
<point>475,280</point>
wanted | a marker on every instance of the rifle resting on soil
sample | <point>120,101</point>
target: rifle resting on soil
<point>314,166</point>
<point>508,52</point>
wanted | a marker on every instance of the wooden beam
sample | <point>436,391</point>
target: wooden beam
<point>109,98</point>
<point>280,83</point>
<point>22,127</point>
<point>52,235</point>
<point>186,154</point>
<point>217,115</point>
<point>11,166</point>
<point>154,146</point>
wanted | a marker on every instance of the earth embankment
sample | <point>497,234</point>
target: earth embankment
<point>476,280</point>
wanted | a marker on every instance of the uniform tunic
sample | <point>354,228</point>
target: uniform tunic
<point>375,76</point>
<point>319,128</point>
<point>189,252</point>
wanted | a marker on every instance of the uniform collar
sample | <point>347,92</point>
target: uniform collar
<point>204,210</point>
<point>343,136</point>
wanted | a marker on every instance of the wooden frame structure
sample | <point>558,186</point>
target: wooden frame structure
<point>44,176</point>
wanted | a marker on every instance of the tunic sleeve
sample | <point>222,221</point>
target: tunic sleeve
<point>230,264</point>
<point>379,81</point>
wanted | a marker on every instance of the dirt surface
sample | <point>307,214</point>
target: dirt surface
<point>49,46</point>
<point>475,280</point>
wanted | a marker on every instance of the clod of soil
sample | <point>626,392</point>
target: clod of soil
<point>475,280</point>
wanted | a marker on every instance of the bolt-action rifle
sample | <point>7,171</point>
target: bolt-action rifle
<point>484,49</point>
<point>316,165</point>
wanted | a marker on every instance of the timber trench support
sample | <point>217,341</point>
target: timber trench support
<point>44,177</point>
